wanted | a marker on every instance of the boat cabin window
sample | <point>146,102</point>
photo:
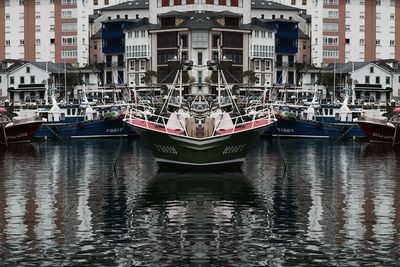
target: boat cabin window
<point>62,117</point>
<point>73,111</point>
<point>68,111</point>
<point>337,116</point>
<point>44,115</point>
<point>331,111</point>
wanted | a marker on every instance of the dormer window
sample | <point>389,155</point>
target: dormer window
<point>232,22</point>
<point>168,22</point>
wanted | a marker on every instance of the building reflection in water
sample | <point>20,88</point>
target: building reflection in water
<point>62,203</point>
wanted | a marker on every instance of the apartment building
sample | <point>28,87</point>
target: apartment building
<point>47,30</point>
<point>352,30</point>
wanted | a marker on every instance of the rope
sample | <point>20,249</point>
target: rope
<point>53,132</point>
<point>343,135</point>
<point>5,135</point>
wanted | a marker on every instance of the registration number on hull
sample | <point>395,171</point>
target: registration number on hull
<point>233,149</point>
<point>166,149</point>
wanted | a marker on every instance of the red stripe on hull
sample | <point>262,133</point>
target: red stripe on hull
<point>19,133</point>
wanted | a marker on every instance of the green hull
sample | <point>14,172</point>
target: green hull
<point>172,150</point>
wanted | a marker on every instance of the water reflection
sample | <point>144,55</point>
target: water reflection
<point>62,204</point>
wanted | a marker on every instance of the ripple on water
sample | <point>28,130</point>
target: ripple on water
<point>333,205</point>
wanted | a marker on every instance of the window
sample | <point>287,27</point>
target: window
<point>330,27</point>
<point>377,80</point>
<point>69,27</point>
<point>267,65</point>
<point>22,80</point>
<point>12,80</point>
<point>331,2</point>
<point>33,79</point>
<point>328,40</point>
<point>257,65</point>
<point>142,65</point>
<point>200,58</point>
<point>366,79</point>
<point>362,42</point>
<point>378,42</point>
<point>141,80</point>
<point>132,65</point>
<point>69,53</point>
<point>330,53</point>
<point>37,42</point>
<point>70,40</point>
<point>333,14</point>
<point>21,42</point>
<point>8,43</point>
<point>387,80</point>
<point>68,2</point>
<point>67,13</point>
<point>28,69</point>
<point>371,69</point>
<point>391,42</point>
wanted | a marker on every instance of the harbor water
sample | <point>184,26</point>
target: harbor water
<point>103,203</point>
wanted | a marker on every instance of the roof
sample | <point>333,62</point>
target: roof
<point>302,35</point>
<point>346,67</point>
<point>53,67</point>
<point>258,24</point>
<point>130,5</point>
<point>270,5</point>
<point>97,35</point>
<point>279,20</point>
<point>200,21</point>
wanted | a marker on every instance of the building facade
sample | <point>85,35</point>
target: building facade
<point>352,30</point>
<point>47,30</point>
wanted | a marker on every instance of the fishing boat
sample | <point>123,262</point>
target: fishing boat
<point>334,121</point>
<point>202,131</point>
<point>14,130</point>
<point>382,130</point>
<point>73,121</point>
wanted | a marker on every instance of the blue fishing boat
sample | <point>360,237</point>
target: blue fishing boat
<point>81,121</point>
<point>320,121</point>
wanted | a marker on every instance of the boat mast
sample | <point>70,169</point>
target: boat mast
<point>46,87</point>
<point>353,89</point>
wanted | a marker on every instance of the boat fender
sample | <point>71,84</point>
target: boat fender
<point>9,125</point>
<point>391,125</point>
<point>80,126</point>
<point>319,125</point>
